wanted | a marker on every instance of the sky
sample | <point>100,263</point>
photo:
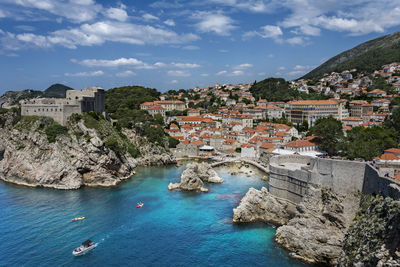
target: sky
<point>178,44</point>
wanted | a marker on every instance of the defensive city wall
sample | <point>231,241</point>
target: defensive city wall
<point>291,174</point>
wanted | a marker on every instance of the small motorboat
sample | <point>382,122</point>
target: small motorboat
<point>139,205</point>
<point>85,247</point>
<point>78,219</point>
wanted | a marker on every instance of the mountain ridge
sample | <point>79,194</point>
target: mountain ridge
<point>367,56</point>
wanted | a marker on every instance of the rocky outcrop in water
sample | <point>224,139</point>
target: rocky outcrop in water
<point>193,178</point>
<point>260,205</point>
<point>67,163</point>
<point>317,231</point>
<point>313,230</point>
<point>373,239</point>
<point>35,151</point>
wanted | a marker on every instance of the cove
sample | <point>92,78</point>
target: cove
<point>171,229</point>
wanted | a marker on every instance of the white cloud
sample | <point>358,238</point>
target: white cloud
<point>299,70</point>
<point>117,14</point>
<point>243,66</point>
<point>26,28</point>
<point>37,40</point>
<point>267,31</point>
<point>257,6</point>
<point>261,74</point>
<point>169,22</point>
<point>191,47</point>
<point>185,65</point>
<point>132,62</point>
<point>223,51</point>
<point>233,73</point>
<point>355,17</point>
<point>223,72</point>
<point>74,10</point>
<point>303,67</point>
<point>2,14</point>
<point>127,73</point>
<point>105,31</point>
<point>166,4</point>
<point>281,68</point>
<point>214,22</point>
<point>174,81</point>
<point>85,74</point>
<point>237,73</point>
<point>178,73</point>
<point>149,17</point>
<point>160,65</point>
<point>297,40</point>
<point>204,74</point>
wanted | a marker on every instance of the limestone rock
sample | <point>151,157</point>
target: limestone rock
<point>260,205</point>
<point>317,231</point>
<point>193,178</point>
<point>373,237</point>
<point>150,154</point>
<point>207,174</point>
<point>190,180</point>
<point>27,158</point>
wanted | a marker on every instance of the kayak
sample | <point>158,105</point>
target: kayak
<point>140,205</point>
<point>78,219</point>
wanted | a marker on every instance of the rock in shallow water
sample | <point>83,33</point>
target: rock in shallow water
<point>260,205</point>
<point>193,178</point>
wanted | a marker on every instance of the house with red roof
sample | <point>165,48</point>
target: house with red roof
<point>352,121</point>
<point>377,93</point>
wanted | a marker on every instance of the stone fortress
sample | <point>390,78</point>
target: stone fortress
<point>290,176</point>
<point>76,101</point>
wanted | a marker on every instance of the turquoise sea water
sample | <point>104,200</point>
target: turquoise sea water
<point>171,229</point>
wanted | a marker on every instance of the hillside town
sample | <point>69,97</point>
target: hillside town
<point>236,123</point>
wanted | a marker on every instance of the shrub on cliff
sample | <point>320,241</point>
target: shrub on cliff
<point>172,142</point>
<point>112,143</point>
<point>55,130</point>
<point>374,233</point>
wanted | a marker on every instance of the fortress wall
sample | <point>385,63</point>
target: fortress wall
<point>375,184</point>
<point>344,177</point>
<point>68,111</point>
<point>340,175</point>
<point>288,184</point>
<point>290,158</point>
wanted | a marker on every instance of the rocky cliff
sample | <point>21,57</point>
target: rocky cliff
<point>316,233</point>
<point>150,154</point>
<point>312,230</point>
<point>35,151</point>
<point>373,238</point>
<point>193,178</point>
<point>260,205</point>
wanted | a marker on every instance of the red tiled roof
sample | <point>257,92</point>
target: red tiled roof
<point>388,156</point>
<point>313,102</point>
<point>352,119</point>
<point>300,143</point>
<point>393,150</point>
<point>198,142</point>
<point>266,145</point>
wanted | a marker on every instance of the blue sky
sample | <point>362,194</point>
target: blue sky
<point>178,44</point>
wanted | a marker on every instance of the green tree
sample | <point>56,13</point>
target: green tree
<point>329,134</point>
<point>395,118</point>
<point>368,143</point>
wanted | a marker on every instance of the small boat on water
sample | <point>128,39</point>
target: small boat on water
<point>85,247</point>
<point>139,205</point>
<point>78,219</point>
